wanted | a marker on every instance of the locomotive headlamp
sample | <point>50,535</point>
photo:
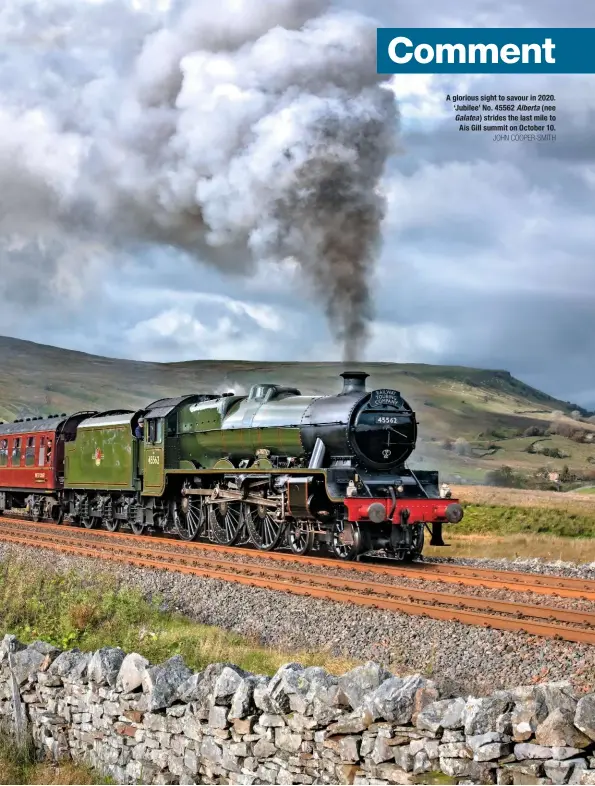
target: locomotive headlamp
<point>445,492</point>
<point>400,489</point>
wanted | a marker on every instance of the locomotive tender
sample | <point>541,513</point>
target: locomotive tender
<point>270,468</point>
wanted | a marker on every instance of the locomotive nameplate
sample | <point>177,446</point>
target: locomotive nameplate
<point>386,398</point>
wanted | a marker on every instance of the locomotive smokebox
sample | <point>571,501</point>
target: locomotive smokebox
<point>354,382</point>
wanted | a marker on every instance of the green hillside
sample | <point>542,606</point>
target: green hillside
<point>489,410</point>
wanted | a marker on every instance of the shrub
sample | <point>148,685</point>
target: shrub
<point>462,447</point>
<point>533,431</point>
<point>503,476</point>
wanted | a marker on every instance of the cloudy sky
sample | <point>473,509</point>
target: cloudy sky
<point>487,254</point>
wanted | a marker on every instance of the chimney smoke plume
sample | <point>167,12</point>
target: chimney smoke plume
<point>242,132</point>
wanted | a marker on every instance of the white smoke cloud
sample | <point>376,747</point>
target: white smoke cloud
<point>242,132</point>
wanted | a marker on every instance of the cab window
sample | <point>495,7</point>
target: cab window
<point>16,452</point>
<point>30,452</point>
<point>155,430</point>
<point>3,452</point>
<point>41,457</point>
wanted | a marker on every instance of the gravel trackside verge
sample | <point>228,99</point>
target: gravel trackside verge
<point>460,658</point>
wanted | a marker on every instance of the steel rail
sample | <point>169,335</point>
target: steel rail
<point>452,574</point>
<point>418,602</point>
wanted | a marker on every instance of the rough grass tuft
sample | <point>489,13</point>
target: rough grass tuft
<point>68,611</point>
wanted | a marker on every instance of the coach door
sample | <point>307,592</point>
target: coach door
<point>153,461</point>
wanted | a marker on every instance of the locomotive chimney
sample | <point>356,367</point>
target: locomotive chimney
<point>354,382</point>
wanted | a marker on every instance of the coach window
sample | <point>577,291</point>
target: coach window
<point>30,452</point>
<point>41,457</point>
<point>3,452</point>
<point>16,452</point>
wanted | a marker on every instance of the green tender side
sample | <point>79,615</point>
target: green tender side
<point>103,455</point>
<point>238,426</point>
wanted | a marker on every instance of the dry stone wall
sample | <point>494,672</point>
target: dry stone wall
<point>166,725</point>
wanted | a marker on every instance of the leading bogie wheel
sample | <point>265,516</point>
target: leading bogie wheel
<point>300,537</point>
<point>346,540</point>
<point>189,517</point>
<point>264,529</point>
<point>226,522</point>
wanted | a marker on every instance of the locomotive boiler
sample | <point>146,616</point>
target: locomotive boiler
<point>271,468</point>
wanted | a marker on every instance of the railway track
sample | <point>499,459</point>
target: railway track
<point>217,562</point>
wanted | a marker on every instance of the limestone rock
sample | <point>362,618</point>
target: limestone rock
<point>242,701</point>
<point>360,681</point>
<point>105,665</point>
<point>44,648</point>
<point>287,740</point>
<point>130,676</point>
<point>445,714</point>
<point>26,663</point>
<point>559,729</point>
<point>526,750</point>
<point>526,717</point>
<point>349,748</point>
<point>289,679</point>
<point>481,715</point>
<point>403,757</point>
<point>160,683</point>
<point>456,768</point>
<point>394,774</point>
<point>393,700</point>
<point>356,721</point>
<point>11,644</point>
<point>227,683</point>
<point>556,695</point>
<point>584,718</point>
<point>188,690</point>
<point>561,771</point>
<point>564,752</point>
<point>71,665</point>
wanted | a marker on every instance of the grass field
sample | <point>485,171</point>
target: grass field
<point>517,546</point>
<point>69,612</point>
<point>516,523</point>
<point>570,501</point>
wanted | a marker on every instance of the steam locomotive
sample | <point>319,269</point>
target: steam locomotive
<point>273,468</point>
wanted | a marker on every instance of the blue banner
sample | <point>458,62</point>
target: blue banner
<point>486,50</point>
